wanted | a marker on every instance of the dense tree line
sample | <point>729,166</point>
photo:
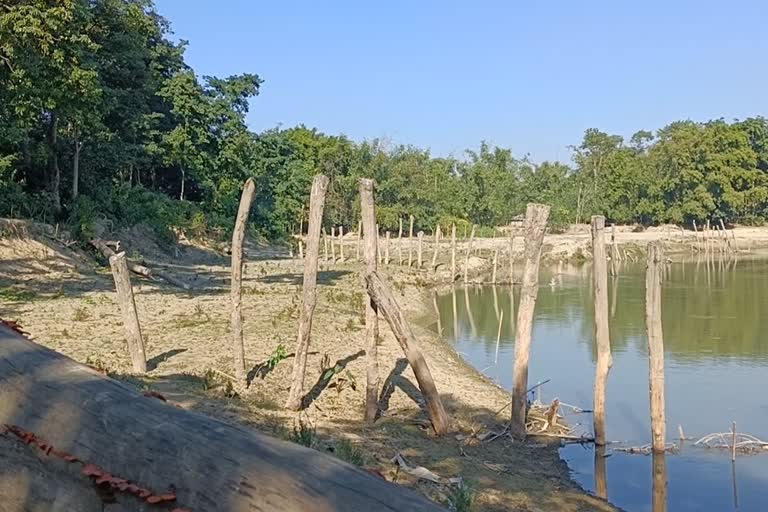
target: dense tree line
<point>100,117</point>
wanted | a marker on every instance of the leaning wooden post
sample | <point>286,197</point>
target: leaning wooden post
<point>386,249</point>
<point>536,216</point>
<point>341,243</point>
<point>400,243</point>
<point>371,314</point>
<point>495,263</point>
<point>410,243</point>
<point>325,246</point>
<point>333,244</point>
<point>309,298</point>
<point>653,271</point>
<point>381,294</point>
<point>602,336</point>
<point>437,247</point>
<point>469,252</point>
<point>421,241</point>
<point>119,265</point>
<point>453,252</point>
<point>236,294</point>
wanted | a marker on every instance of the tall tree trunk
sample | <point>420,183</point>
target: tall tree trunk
<point>76,166</point>
<point>183,179</point>
<point>53,163</point>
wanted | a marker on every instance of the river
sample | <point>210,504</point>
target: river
<point>716,364</point>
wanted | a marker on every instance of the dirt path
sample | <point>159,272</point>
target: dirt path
<point>66,303</point>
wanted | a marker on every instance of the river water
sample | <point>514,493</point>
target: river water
<point>716,367</point>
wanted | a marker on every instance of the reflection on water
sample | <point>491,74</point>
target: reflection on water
<point>716,356</point>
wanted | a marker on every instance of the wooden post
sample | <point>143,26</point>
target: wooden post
<point>602,336</point>
<point>453,252</point>
<point>359,238</point>
<point>498,334</point>
<point>379,256</point>
<point>309,298</point>
<point>236,294</point>
<point>371,313</point>
<point>301,250</point>
<point>601,473</point>
<point>495,262</point>
<point>469,252</point>
<point>119,265</point>
<point>386,250</point>
<point>653,271</point>
<point>421,241</point>
<point>615,254</point>
<point>659,482</point>
<point>400,243</point>
<point>536,216</point>
<point>410,243</point>
<point>325,246</point>
<point>437,247</point>
<point>341,244</point>
<point>381,294</point>
<point>333,242</point>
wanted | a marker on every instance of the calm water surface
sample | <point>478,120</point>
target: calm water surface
<point>716,359</point>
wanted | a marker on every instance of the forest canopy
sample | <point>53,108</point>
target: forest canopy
<point>101,117</point>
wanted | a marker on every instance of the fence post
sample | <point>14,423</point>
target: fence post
<point>653,272</point>
<point>602,335</point>
<point>371,313</point>
<point>236,292</point>
<point>119,265</point>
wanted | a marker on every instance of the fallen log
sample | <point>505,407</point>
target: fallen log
<point>105,249</point>
<point>66,426</point>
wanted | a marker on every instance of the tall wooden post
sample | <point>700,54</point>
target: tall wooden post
<point>333,244</point>
<point>653,272</point>
<point>437,247</point>
<point>371,314</point>
<point>421,241</point>
<point>386,250</point>
<point>453,252</point>
<point>381,293</point>
<point>119,265</point>
<point>536,216</point>
<point>495,263</point>
<point>235,295</point>
<point>309,298</point>
<point>341,243</point>
<point>400,243</point>
<point>602,336</point>
<point>410,243</point>
<point>469,252</point>
<point>325,246</point>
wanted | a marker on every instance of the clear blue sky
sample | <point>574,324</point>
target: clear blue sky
<point>530,75</point>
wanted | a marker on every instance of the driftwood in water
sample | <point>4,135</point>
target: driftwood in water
<point>371,314</point>
<point>535,223</point>
<point>309,297</point>
<point>105,249</point>
<point>382,296</point>
<point>203,463</point>
<point>128,309</point>
<point>236,291</point>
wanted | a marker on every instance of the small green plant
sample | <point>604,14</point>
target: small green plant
<point>461,498</point>
<point>81,314</point>
<point>348,452</point>
<point>277,355</point>
<point>303,433</point>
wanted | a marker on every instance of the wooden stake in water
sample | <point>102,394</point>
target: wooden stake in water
<point>659,479</point>
<point>653,272</point>
<point>535,224</point>
<point>495,263</point>
<point>453,252</point>
<point>469,252</point>
<point>733,443</point>
<point>498,337</point>
<point>602,336</point>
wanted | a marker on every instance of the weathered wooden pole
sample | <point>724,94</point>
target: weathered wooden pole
<point>495,263</point>
<point>469,252</point>
<point>659,482</point>
<point>453,252</point>
<point>333,244</point>
<point>601,473</point>
<point>602,336</point>
<point>400,243</point>
<point>341,243</point>
<point>119,265</point>
<point>381,293</point>
<point>379,254</point>
<point>410,243</point>
<point>371,315</point>
<point>653,271</point>
<point>325,246</point>
<point>437,247</point>
<point>536,216</point>
<point>309,298</point>
<point>236,292</point>
<point>386,249</point>
<point>421,241</point>
<point>359,239</point>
